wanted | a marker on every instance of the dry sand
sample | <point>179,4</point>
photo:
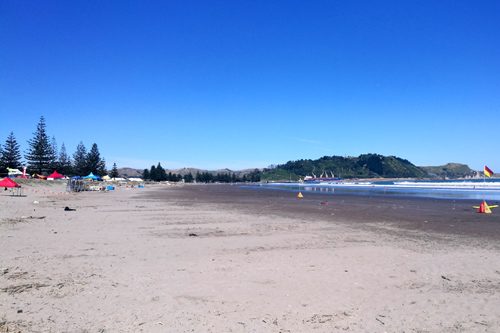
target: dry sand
<point>220,258</point>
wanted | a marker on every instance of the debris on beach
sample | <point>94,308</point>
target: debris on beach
<point>33,217</point>
<point>23,288</point>
<point>12,326</point>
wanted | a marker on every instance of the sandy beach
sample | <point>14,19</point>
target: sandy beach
<point>223,258</point>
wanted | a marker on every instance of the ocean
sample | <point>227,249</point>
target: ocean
<point>477,189</point>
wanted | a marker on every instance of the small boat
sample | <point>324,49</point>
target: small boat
<point>309,179</point>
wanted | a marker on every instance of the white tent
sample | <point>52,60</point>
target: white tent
<point>14,172</point>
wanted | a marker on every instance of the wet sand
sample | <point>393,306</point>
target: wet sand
<point>222,258</point>
<point>447,216</point>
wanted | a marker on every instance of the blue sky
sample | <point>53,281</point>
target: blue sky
<point>245,84</point>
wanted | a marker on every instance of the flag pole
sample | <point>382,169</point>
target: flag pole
<point>484,183</point>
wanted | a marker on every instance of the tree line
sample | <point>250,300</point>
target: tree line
<point>207,177</point>
<point>157,173</point>
<point>43,156</point>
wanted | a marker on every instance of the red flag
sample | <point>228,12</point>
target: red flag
<point>487,171</point>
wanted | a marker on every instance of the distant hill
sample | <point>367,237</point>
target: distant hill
<point>129,172</point>
<point>363,166</point>
<point>451,171</point>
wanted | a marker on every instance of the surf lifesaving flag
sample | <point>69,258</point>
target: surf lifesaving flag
<point>487,171</point>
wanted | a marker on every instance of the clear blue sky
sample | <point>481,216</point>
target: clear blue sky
<point>245,84</point>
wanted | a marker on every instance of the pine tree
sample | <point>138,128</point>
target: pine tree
<point>101,170</point>
<point>80,158</point>
<point>93,161</point>
<point>64,163</point>
<point>160,173</point>
<point>189,178</point>
<point>40,154</point>
<point>146,175</point>
<point>10,154</point>
<point>114,171</point>
<point>55,152</point>
<point>152,173</point>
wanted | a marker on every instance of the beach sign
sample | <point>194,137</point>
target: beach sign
<point>300,195</point>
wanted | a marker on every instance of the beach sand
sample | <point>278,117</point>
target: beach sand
<point>222,258</point>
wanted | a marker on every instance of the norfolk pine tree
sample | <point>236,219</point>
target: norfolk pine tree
<point>10,154</point>
<point>40,153</point>
<point>101,170</point>
<point>114,171</point>
<point>80,158</point>
<point>93,161</point>
<point>64,162</point>
<point>55,151</point>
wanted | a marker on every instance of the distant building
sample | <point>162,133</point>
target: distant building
<point>135,179</point>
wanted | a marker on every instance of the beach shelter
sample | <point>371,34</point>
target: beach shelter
<point>13,172</point>
<point>76,177</point>
<point>7,182</point>
<point>55,175</point>
<point>90,176</point>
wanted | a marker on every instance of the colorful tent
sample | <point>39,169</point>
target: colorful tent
<point>14,172</point>
<point>7,182</point>
<point>55,175</point>
<point>90,176</point>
